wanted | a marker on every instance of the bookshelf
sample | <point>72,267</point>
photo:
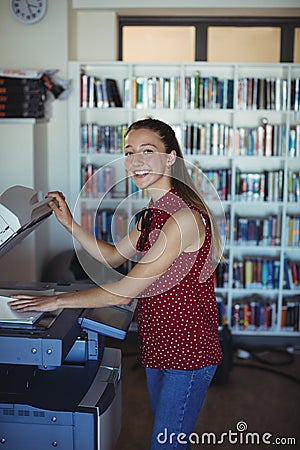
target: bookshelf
<point>240,124</point>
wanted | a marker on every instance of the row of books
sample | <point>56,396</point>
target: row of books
<point>292,231</point>
<point>95,182</point>
<point>200,92</point>
<point>102,138</point>
<point>254,315</point>
<point>22,97</point>
<point>259,315</point>
<point>165,92</point>
<point>262,93</point>
<point>99,180</point>
<point>265,186</point>
<point>291,274</point>
<point>208,139</point>
<point>257,231</point>
<point>221,139</point>
<point>293,186</point>
<point>259,273</point>
<point>97,93</point>
<point>256,273</point>
<point>203,139</point>
<point>152,92</point>
<point>208,92</point>
<point>220,179</point>
<point>264,140</point>
<point>290,316</point>
<point>105,224</point>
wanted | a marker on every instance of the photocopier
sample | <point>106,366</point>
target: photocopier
<point>60,387</point>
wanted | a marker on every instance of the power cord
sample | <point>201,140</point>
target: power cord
<point>288,354</point>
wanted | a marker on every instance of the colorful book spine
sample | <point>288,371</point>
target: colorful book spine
<point>256,273</point>
<point>265,186</point>
<point>102,138</point>
<point>208,92</point>
<point>264,140</point>
<point>293,186</point>
<point>293,231</point>
<point>208,139</point>
<point>220,179</point>
<point>257,315</point>
<point>290,315</point>
<point>295,94</point>
<point>257,231</point>
<point>152,92</point>
<point>97,93</point>
<point>291,274</point>
<point>98,180</point>
<point>105,224</point>
<point>262,93</point>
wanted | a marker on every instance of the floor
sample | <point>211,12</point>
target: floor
<point>260,400</point>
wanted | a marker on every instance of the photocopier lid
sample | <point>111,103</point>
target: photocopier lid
<point>20,213</point>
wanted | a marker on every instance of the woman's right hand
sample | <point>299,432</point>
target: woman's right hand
<point>61,209</point>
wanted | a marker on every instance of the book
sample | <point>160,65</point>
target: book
<point>113,93</point>
<point>96,93</point>
<point>295,94</point>
<point>291,274</point>
<point>83,89</point>
<point>290,315</point>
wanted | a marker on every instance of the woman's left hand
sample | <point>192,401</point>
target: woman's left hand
<point>22,303</point>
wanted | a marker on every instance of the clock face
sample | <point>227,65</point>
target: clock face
<point>28,11</point>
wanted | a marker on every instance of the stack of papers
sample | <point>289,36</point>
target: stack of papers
<point>9,316</point>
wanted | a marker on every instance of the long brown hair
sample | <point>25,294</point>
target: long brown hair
<point>181,179</point>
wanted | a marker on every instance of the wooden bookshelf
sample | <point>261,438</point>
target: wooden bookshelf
<point>238,123</point>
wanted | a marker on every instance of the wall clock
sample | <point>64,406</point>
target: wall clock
<point>28,11</point>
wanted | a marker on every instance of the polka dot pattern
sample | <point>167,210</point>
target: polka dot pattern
<point>177,314</point>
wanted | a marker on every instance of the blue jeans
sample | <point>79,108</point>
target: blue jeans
<point>176,397</point>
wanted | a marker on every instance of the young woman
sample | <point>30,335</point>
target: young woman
<point>178,245</point>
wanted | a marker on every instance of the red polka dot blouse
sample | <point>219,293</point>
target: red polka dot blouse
<point>177,314</point>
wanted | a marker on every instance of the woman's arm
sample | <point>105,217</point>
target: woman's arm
<point>109,254</point>
<point>183,230</point>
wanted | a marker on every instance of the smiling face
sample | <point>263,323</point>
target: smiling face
<point>146,159</point>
